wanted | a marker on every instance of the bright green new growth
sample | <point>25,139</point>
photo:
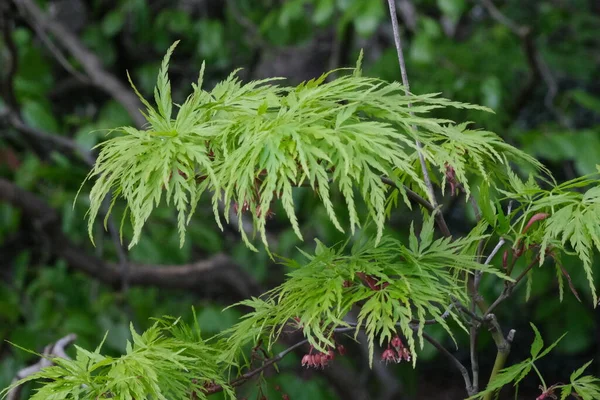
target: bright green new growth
<point>251,144</point>
<point>413,284</point>
<point>573,222</point>
<point>168,361</point>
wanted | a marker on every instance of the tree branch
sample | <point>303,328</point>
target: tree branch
<point>538,67</point>
<point>510,286</point>
<point>454,360</point>
<point>6,85</point>
<point>91,64</point>
<point>248,375</point>
<point>206,276</point>
<point>405,83</point>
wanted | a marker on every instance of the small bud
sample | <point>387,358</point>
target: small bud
<point>396,342</point>
<point>535,218</point>
<point>451,178</point>
<point>307,361</point>
<point>330,355</point>
<point>341,349</point>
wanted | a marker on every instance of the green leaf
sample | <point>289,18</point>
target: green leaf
<point>113,22</point>
<point>586,100</point>
<point>452,8</point>
<point>576,374</point>
<point>38,115</point>
<point>538,342</point>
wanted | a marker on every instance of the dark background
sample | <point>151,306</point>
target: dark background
<point>63,64</point>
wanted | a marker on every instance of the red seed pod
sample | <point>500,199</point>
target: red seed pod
<point>535,218</point>
<point>341,349</point>
<point>505,259</point>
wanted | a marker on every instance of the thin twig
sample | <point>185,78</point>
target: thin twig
<point>11,69</point>
<point>454,360</point>
<point>51,351</point>
<point>497,248</point>
<point>465,310</point>
<point>439,217</point>
<point>58,55</point>
<point>494,251</point>
<point>473,339</point>
<point>89,61</point>
<point>37,136</point>
<point>510,286</point>
<point>405,83</point>
<point>496,14</point>
<point>536,62</point>
<point>248,375</point>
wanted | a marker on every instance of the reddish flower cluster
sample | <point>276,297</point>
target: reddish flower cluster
<point>321,360</point>
<point>395,352</point>
<point>317,360</point>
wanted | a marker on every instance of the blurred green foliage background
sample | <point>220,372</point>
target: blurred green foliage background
<point>536,63</point>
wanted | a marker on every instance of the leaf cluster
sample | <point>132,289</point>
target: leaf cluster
<point>170,360</point>
<point>573,222</point>
<point>397,288</point>
<point>251,144</point>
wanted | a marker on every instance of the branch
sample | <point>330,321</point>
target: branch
<point>454,360</point>
<point>509,287</point>
<point>52,350</point>
<point>91,64</point>
<point>8,91</point>
<point>496,14</point>
<point>503,345</point>
<point>49,141</point>
<point>426,177</point>
<point>208,276</point>
<point>248,375</point>
<point>539,68</point>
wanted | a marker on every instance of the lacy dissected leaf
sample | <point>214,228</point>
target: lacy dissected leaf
<point>398,288</point>
<point>168,361</point>
<point>478,152</point>
<point>587,387</point>
<point>252,144</point>
<point>572,223</point>
<point>142,166</point>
